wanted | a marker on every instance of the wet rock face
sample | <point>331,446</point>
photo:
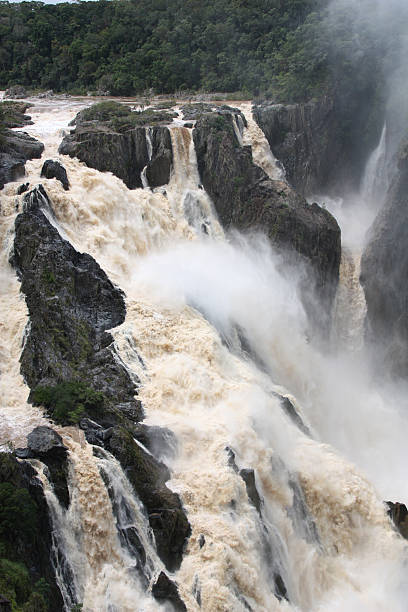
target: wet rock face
<point>159,167</point>
<point>53,169</point>
<point>123,154</point>
<point>322,144</point>
<point>17,149</point>
<point>245,198</point>
<point>384,269</point>
<point>148,477</point>
<point>71,303</point>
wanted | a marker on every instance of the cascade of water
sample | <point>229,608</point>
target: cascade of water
<point>149,144</point>
<point>17,417</point>
<point>96,557</point>
<point>349,309</point>
<point>376,180</point>
<point>310,527</point>
<point>261,151</point>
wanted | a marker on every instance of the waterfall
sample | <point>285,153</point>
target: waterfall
<point>261,151</point>
<point>376,180</point>
<point>350,306</point>
<point>280,520</point>
<point>149,144</point>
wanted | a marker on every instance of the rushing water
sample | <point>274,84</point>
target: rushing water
<point>320,534</point>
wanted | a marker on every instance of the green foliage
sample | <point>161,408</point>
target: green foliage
<point>77,608</point>
<point>14,582</point>
<point>133,47</point>
<point>68,401</point>
<point>17,513</point>
<point>36,603</point>
<point>104,111</point>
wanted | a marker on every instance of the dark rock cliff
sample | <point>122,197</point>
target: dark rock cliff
<point>384,270</point>
<point>323,144</point>
<point>69,358</point>
<point>245,198</point>
<point>124,154</point>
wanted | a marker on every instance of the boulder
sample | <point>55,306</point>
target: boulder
<point>54,169</point>
<point>384,269</point>
<point>45,444</point>
<point>246,198</point>
<point>17,149</point>
<point>23,188</point>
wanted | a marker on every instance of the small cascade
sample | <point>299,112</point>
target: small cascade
<point>17,417</point>
<point>104,555</point>
<point>349,309</point>
<point>239,128</point>
<point>149,144</point>
<point>375,181</point>
<point>261,151</point>
<point>186,194</point>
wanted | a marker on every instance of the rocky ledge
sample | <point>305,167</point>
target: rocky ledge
<point>124,142</point>
<point>246,198</point>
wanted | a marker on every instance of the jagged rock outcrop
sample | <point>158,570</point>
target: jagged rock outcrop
<point>246,198</point>
<point>18,147</point>
<point>71,303</point>
<point>25,535</point>
<point>68,351</point>
<point>324,143</point>
<point>384,270</point>
<point>53,169</point>
<point>165,589</point>
<point>124,154</point>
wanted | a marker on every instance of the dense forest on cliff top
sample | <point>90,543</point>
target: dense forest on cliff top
<point>287,49</point>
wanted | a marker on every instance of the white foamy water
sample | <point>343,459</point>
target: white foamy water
<point>194,299</point>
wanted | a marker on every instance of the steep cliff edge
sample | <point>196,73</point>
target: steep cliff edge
<point>384,269</point>
<point>323,144</point>
<point>246,198</point>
